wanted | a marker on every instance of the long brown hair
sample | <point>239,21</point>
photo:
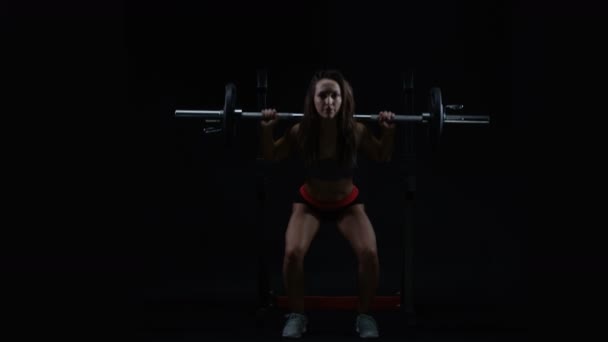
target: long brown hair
<point>310,127</point>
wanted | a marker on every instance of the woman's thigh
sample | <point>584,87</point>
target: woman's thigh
<point>302,227</point>
<point>358,230</point>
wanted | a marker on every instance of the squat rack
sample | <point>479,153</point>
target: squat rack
<point>402,301</point>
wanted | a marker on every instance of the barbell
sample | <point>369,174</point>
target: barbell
<point>225,120</point>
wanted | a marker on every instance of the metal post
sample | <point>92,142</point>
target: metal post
<point>262,180</point>
<point>408,172</point>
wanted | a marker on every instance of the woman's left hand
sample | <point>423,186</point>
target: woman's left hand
<point>384,119</point>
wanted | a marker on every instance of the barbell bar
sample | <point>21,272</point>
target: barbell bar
<point>218,115</point>
<point>227,117</point>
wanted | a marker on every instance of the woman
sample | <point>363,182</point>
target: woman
<point>329,138</point>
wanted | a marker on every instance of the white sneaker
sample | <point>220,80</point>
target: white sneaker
<point>366,326</point>
<point>295,325</point>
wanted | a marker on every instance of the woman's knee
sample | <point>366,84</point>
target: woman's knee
<point>367,254</point>
<point>295,254</point>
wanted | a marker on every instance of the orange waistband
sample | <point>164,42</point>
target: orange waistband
<point>329,204</point>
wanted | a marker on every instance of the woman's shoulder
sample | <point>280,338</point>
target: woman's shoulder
<point>292,135</point>
<point>359,127</point>
<point>359,131</point>
<point>293,131</point>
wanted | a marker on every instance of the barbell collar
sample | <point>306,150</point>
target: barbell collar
<point>467,119</point>
<point>454,107</point>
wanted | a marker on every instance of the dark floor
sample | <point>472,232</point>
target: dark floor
<point>195,322</point>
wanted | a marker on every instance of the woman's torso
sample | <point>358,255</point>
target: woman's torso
<point>330,190</point>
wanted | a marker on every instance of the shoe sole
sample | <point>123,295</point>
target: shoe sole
<point>297,336</point>
<point>370,336</point>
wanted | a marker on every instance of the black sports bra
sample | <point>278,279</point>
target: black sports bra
<point>329,169</point>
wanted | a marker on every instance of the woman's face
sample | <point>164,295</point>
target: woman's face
<point>328,98</point>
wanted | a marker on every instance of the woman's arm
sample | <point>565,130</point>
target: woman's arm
<point>380,150</point>
<point>283,146</point>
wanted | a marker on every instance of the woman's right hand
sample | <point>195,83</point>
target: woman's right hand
<point>269,118</point>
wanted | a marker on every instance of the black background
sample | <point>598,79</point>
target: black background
<point>121,206</point>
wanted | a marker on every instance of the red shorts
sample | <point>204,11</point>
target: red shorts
<point>329,209</point>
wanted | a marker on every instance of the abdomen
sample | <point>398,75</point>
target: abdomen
<point>324,190</point>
